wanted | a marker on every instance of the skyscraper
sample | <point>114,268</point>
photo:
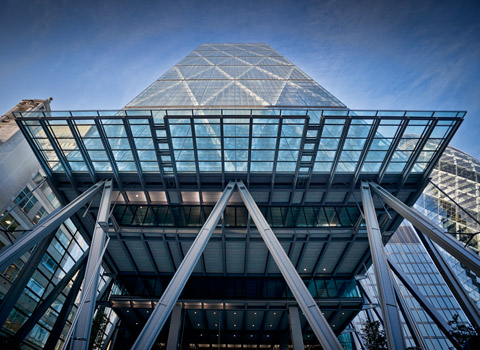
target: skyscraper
<point>237,187</point>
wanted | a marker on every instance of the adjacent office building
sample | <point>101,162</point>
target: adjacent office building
<point>25,199</point>
<point>237,188</point>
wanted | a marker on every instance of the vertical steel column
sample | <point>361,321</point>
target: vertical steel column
<point>166,303</point>
<point>283,342</point>
<point>295,328</point>
<point>174,331</point>
<point>81,334</point>
<point>46,226</point>
<point>19,284</point>
<point>386,292</point>
<point>463,254</point>
<point>455,286</point>
<point>317,321</point>
<point>65,311</point>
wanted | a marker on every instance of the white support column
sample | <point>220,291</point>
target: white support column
<point>174,331</point>
<point>315,318</point>
<point>45,227</point>
<point>386,292</point>
<point>81,334</point>
<point>166,303</point>
<point>295,328</point>
<point>463,254</point>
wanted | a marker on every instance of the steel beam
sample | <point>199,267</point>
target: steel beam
<point>467,305</point>
<point>65,311</point>
<point>174,331</point>
<point>317,321</point>
<point>45,227</point>
<point>81,334</point>
<point>386,291</point>
<point>424,303</point>
<point>24,276</point>
<point>166,303</point>
<point>296,333</point>
<point>463,254</point>
<point>49,299</point>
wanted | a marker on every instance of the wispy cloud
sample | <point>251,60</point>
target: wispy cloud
<point>369,53</point>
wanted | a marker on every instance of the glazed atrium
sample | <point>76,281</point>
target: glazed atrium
<point>234,203</point>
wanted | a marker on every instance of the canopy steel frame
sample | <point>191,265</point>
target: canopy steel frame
<point>46,226</point>
<point>81,336</point>
<point>383,276</point>
<point>166,303</point>
<point>315,318</point>
<point>463,254</point>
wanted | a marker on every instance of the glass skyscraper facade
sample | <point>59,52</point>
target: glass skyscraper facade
<point>452,200</point>
<point>406,250</point>
<point>241,122</point>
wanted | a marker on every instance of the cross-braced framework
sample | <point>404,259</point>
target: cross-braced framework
<point>236,184</point>
<point>309,306</point>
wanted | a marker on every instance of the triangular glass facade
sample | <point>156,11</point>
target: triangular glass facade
<point>235,75</point>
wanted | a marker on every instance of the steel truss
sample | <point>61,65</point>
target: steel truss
<point>320,326</point>
<point>305,300</point>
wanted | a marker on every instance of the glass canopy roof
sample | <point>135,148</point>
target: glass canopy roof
<point>234,75</point>
<point>269,141</point>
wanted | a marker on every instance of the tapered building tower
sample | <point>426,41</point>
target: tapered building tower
<point>236,206</point>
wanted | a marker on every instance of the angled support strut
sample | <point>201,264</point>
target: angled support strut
<point>383,276</point>
<point>424,303</point>
<point>463,254</point>
<point>458,291</point>
<point>315,318</point>
<point>166,303</point>
<point>81,336</point>
<point>45,227</point>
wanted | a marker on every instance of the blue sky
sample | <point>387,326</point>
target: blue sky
<point>377,54</point>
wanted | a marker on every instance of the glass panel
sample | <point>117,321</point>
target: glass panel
<point>260,167</point>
